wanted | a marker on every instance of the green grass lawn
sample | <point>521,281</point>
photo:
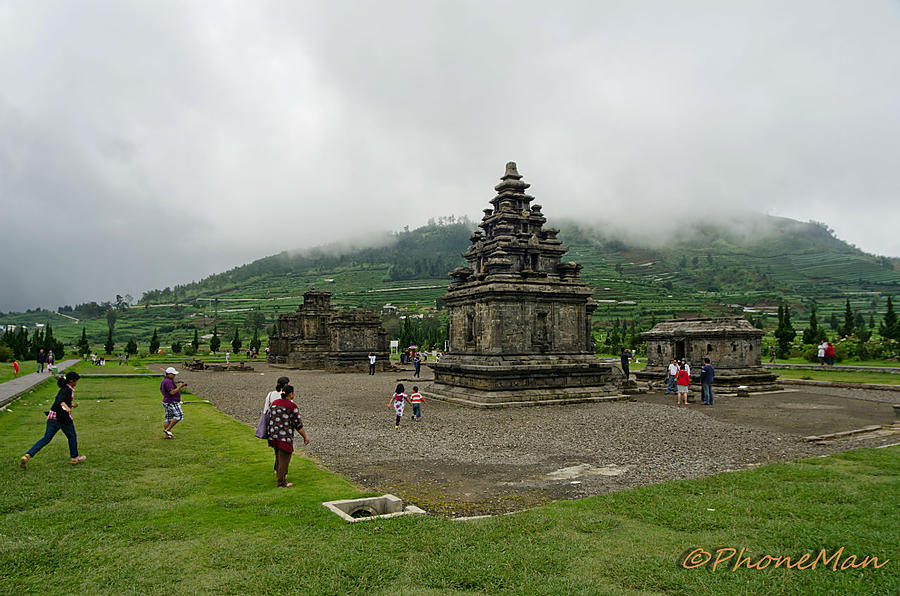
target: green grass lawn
<point>201,514</point>
<point>25,367</point>
<point>134,366</point>
<point>843,376</point>
<point>888,363</point>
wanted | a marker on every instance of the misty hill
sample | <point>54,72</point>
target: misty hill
<point>709,269</point>
<point>764,258</point>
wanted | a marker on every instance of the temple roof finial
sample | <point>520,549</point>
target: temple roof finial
<point>511,171</point>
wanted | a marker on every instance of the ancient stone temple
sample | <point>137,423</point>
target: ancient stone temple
<point>732,345</point>
<point>520,318</point>
<point>320,336</point>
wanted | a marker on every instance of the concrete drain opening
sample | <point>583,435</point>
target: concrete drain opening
<point>355,510</point>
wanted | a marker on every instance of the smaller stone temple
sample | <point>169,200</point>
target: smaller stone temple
<point>520,317</point>
<point>732,345</point>
<point>319,336</point>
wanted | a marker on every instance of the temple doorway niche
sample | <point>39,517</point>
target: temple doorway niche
<point>679,349</point>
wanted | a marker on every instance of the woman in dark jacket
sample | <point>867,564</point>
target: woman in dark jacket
<point>59,418</point>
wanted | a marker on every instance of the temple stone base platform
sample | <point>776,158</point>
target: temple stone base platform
<point>731,343</point>
<point>527,380</point>
<point>726,380</point>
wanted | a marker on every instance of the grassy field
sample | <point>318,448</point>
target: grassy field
<point>25,367</point>
<point>201,514</point>
<point>887,363</point>
<point>842,376</point>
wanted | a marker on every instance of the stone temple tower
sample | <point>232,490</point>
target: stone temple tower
<point>520,318</point>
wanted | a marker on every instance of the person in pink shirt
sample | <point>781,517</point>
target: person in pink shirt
<point>397,400</point>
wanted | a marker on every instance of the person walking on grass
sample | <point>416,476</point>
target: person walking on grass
<point>707,373</point>
<point>284,419</point>
<point>171,394</point>
<point>820,354</point>
<point>397,400</point>
<point>829,354</point>
<point>59,418</point>
<point>671,373</point>
<point>15,368</point>
<point>683,383</point>
<point>416,400</point>
<point>262,427</point>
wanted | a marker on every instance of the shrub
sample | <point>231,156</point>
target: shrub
<point>189,350</point>
<point>176,347</point>
<point>811,354</point>
<point>6,354</point>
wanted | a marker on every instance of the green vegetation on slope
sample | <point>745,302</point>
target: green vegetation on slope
<point>746,268</point>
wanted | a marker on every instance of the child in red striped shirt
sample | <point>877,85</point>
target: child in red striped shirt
<point>416,400</point>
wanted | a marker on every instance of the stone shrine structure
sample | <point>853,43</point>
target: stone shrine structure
<point>319,336</point>
<point>732,345</point>
<point>520,319</point>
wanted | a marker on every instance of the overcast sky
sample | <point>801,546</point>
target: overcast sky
<point>144,144</point>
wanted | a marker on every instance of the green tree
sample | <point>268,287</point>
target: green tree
<point>849,325</point>
<point>111,318</point>
<point>154,342</point>
<point>109,346</point>
<point>131,347</point>
<point>236,340</point>
<point>888,328</point>
<point>255,343</point>
<point>196,342</point>
<point>214,341</point>
<point>176,347</point>
<point>785,332</point>
<point>83,346</point>
<point>256,320</point>
<point>811,333</point>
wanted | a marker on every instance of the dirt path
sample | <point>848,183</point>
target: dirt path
<point>461,461</point>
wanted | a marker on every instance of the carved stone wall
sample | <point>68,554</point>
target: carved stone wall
<point>732,345</point>
<point>519,316</point>
<point>319,336</point>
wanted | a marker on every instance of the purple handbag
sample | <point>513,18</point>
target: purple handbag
<point>262,429</point>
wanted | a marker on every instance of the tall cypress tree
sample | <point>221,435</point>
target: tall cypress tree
<point>83,346</point>
<point>849,325</point>
<point>889,328</point>
<point>214,341</point>
<point>811,333</point>
<point>196,342</point>
<point>154,342</point>
<point>785,332</point>
<point>109,346</point>
<point>236,340</point>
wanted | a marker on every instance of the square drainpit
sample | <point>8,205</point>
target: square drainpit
<point>383,507</point>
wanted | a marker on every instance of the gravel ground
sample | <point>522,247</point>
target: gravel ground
<point>462,461</point>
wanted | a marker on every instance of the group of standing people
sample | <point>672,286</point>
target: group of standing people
<point>678,380</point>
<point>45,360</point>
<point>825,353</point>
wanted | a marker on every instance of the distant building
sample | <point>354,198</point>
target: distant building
<point>732,344</point>
<point>319,336</point>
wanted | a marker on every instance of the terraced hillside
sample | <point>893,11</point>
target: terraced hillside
<point>715,270</point>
